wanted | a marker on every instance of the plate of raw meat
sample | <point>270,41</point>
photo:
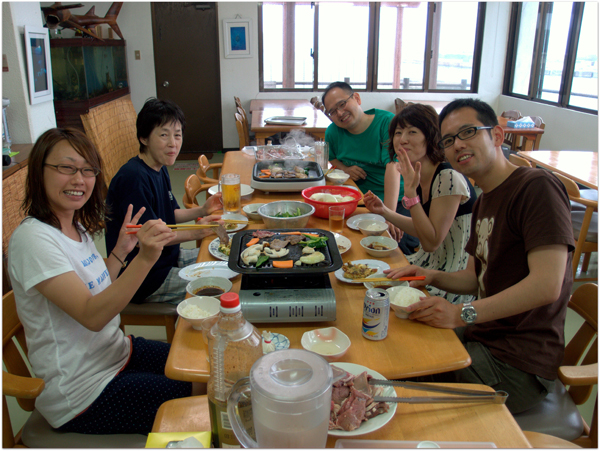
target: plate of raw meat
<point>348,423</point>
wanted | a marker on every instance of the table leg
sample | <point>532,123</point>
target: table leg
<point>260,139</point>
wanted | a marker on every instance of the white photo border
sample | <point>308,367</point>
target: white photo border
<point>230,52</point>
<point>40,95</point>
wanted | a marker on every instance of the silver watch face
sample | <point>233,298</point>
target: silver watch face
<point>468,315</point>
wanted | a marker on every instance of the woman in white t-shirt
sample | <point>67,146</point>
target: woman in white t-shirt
<point>439,198</point>
<point>97,380</point>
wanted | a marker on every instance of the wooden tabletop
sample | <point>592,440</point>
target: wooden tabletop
<point>410,349</point>
<point>316,121</point>
<point>475,422</point>
<point>285,104</point>
<point>579,165</point>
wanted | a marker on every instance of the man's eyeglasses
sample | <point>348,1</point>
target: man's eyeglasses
<point>67,169</point>
<point>339,106</point>
<point>463,135</point>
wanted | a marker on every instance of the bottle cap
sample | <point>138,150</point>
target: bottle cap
<point>230,300</point>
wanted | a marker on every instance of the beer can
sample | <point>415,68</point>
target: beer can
<point>376,314</point>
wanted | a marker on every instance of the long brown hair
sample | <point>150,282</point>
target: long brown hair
<point>91,215</point>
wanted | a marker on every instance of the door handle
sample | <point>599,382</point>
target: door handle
<point>166,84</point>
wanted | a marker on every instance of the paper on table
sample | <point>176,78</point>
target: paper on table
<point>160,439</point>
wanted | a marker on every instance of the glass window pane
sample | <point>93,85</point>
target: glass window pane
<point>304,40</point>
<point>584,90</point>
<point>526,40</point>
<point>453,66</point>
<point>402,34</point>
<point>557,30</point>
<point>272,31</point>
<point>343,43</point>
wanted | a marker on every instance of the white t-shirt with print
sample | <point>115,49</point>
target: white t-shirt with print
<point>75,363</point>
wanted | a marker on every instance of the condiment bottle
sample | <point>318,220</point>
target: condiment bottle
<point>234,346</point>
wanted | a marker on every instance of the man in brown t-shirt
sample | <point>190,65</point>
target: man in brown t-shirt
<point>519,266</point>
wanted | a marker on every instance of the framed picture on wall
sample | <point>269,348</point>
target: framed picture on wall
<point>237,38</point>
<point>39,69</point>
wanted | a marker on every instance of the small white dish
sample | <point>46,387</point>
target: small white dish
<point>369,241</point>
<point>399,306</point>
<point>246,190</point>
<point>343,243</point>
<point>368,227</point>
<point>383,285</point>
<point>201,269</point>
<point>337,177</point>
<point>205,282</point>
<point>352,221</point>
<point>330,342</point>
<point>251,211</point>
<point>213,248</point>
<point>237,217</point>
<point>209,304</point>
<point>376,264</point>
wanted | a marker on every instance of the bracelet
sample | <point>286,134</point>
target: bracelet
<point>409,202</point>
<point>123,264</point>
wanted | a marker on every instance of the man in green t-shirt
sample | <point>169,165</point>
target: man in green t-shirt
<point>358,145</point>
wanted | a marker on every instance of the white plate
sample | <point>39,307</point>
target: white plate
<point>341,240</point>
<point>285,120</point>
<point>380,420</point>
<point>213,248</point>
<point>353,221</point>
<point>378,265</point>
<point>203,269</point>
<point>237,217</point>
<point>281,341</point>
<point>246,190</point>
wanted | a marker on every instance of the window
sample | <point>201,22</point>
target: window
<point>390,46</point>
<point>553,54</point>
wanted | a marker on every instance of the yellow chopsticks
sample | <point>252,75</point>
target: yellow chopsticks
<point>385,279</point>
<point>173,226</point>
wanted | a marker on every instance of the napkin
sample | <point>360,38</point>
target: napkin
<point>160,439</point>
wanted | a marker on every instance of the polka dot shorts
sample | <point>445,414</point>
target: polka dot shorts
<point>128,404</point>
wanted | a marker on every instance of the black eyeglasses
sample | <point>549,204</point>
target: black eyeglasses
<point>67,169</point>
<point>463,135</point>
<point>339,106</point>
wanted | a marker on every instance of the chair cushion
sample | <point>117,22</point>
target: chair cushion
<point>150,308</point>
<point>577,220</point>
<point>589,194</point>
<point>37,433</point>
<point>556,415</point>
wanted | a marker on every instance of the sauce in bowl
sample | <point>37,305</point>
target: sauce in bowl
<point>209,291</point>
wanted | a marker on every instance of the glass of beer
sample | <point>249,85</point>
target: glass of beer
<point>336,219</point>
<point>231,188</point>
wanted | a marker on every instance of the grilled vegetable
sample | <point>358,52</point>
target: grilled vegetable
<point>314,242</point>
<point>262,260</point>
<point>283,264</point>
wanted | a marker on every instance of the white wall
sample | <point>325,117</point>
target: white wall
<point>26,122</point>
<point>135,22</point>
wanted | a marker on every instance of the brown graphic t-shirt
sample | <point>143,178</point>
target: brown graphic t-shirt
<point>529,209</point>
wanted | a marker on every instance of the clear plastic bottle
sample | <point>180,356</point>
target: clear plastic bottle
<point>234,346</point>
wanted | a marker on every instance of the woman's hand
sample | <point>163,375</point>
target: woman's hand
<point>153,237</point>
<point>412,176</point>
<point>213,203</point>
<point>374,203</point>
<point>126,243</point>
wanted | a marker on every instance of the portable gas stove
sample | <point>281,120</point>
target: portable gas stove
<point>314,177</point>
<point>281,295</point>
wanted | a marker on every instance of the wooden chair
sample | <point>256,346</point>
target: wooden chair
<point>193,187</point>
<point>245,123</point>
<point>539,123</point>
<point>238,102</point>
<point>509,138</point>
<point>545,441</point>
<point>239,124</point>
<point>519,161</point>
<point>317,104</point>
<point>557,415</point>
<point>204,167</point>
<point>18,381</point>
<point>183,415</point>
<point>400,104</point>
<point>585,226</point>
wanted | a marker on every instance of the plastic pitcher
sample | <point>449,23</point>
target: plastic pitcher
<point>291,401</point>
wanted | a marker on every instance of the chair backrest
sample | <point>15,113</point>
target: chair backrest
<point>242,113</point>
<point>238,102</point>
<point>204,166</point>
<point>400,104</point>
<point>570,185</point>
<point>239,124</point>
<point>519,161</point>
<point>111,127</point>
<point>539,123</point>
<point>193,186</point>
<point>512,115</point>
<point>317,104</point>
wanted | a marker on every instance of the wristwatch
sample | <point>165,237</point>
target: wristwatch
<point>468,314</point>
<point>409,202</point>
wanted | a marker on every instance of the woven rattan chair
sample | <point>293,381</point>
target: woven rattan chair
<point>13,190</point>
<point>111,127</point>
<point>18,381</point>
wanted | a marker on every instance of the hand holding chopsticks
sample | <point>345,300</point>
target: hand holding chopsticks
<point>189,226</point>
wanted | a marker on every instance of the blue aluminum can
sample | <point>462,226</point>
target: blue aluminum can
<point>376,314</point>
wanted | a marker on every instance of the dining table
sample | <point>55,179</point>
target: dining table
<point>315,121</point>
<point>410,349</point>
<point>283,104</point>
<point>578,165</point>
<point>528,136</point>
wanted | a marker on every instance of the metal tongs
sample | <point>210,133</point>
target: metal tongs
<point>497,397</point>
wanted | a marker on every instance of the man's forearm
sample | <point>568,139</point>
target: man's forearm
<point>187,215</point>
<point>459,282</point>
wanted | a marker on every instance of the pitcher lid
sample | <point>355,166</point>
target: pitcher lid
<point>291,375</point>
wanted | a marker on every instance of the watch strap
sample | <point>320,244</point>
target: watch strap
<point>409,202</point>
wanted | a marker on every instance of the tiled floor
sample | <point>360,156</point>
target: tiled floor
<point>178,177</point>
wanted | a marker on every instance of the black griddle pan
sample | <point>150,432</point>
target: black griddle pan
<point>315,172</point>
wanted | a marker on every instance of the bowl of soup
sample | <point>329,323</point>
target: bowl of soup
<point>209,286</point>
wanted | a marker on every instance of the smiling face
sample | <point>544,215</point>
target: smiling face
<point>474,157</point>
<point>66,193</point>
<point>412,140</point>
<point>348,117</point>
<point>163,145</point>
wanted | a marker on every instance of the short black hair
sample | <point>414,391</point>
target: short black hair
<point>337,84</point>
<point>485,114</point>
<point>156,113</point>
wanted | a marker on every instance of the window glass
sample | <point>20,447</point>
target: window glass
<point>584,89</point>
<point>452,65</point>
<point>304,32</point>
<point>525,43</point>
<point>343,43</point>
<point>272,31</point>
<point>402,36</point>
<point>557,30</point>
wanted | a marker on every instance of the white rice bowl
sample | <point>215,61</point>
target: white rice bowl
<point>402,297</point>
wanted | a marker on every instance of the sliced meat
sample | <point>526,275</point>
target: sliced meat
<point>295,239</point>
<point>339,394</point>
<point>222,234</point>
<point>262,234</point>
<point>376,408</point>
<point>352,417</point>
<point>361,382</point>
<point>277,244</point>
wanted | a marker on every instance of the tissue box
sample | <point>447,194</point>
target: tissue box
<point>517,124</point>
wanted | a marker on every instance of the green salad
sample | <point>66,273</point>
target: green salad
<point>288,215</point>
